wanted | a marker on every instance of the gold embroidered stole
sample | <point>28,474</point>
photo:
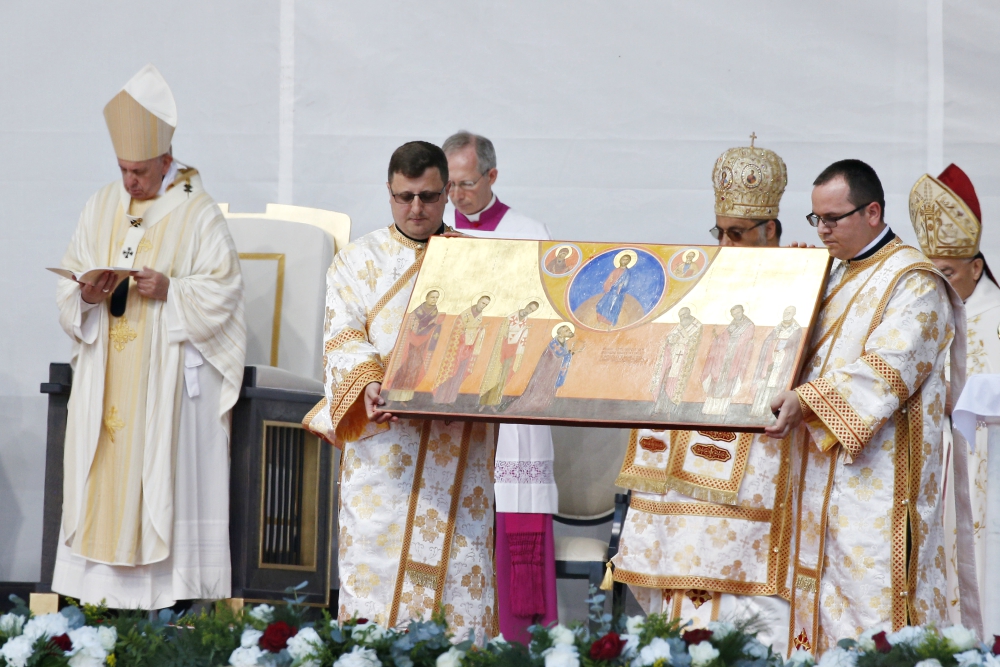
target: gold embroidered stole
<point>430,523</point>
<point>112,528</point>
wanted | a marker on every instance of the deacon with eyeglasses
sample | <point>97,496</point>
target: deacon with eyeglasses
<point>416,510</point>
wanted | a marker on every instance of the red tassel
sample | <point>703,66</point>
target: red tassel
<point>527,574</point>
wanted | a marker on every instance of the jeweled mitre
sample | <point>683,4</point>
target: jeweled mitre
<point>945,224</point>
<point>749,182</point>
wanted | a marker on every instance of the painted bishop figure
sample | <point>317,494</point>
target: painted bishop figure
<point>526,493</point>
<point>158,364</point>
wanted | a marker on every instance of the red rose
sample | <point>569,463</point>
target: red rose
<point>996,644</point>
<point>361,621</point>
<point>276,636</point>
<point>882,644</point>
<point>62,641</point>
<point>696,636</point>
<point>607,647</point>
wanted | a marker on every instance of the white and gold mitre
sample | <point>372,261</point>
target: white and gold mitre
<point>945,214</point>
<point>142,117</point>
<point>749,182</point>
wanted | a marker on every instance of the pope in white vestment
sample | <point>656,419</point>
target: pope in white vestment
<point>146,486</point>
<point>945,214</point>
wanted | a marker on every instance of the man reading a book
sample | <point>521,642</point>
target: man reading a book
<point>158,363</point>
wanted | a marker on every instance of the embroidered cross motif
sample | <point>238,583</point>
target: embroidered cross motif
<point>143,246</point>
<point>136,222</point>
<point>370,274</point>
<point>127,252</point>
<point>122,334</point>
<point>113,423</point>
<point>188,188</point>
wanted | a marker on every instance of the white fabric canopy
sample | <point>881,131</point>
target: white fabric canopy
<point>607,119</point>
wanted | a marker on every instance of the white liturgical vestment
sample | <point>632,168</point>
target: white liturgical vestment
<point>146,466</point>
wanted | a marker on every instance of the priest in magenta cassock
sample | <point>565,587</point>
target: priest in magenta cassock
<point>526,494</point>
<point>158,363</point>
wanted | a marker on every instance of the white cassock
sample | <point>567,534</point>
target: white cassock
<point>982,313</point>
<point>146,466</point>
<point>524,478</point>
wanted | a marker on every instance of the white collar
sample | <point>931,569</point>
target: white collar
<point>475,216</point>
<point>874,242</point>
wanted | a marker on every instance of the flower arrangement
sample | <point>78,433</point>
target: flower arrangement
<point>281,636</point>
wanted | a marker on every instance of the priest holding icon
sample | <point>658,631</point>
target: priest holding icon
<point>158,362</point>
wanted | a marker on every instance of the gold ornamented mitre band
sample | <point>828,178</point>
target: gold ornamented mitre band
<point>136,133</point>
<point>945,226</point>
<point>749,182</point>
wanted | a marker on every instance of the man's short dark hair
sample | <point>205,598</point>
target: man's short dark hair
<point>863,184</point>
<point>413,158</point>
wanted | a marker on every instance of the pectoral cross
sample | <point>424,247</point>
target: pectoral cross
<point>188,188</point>
<point>127,252</point>
<point>136,222</point>
<point>753,136</point>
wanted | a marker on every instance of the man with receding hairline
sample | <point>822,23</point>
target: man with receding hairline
<point>416,511</point>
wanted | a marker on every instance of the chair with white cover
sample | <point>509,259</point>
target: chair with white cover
<point>587,461</point>
<point>282,480</point>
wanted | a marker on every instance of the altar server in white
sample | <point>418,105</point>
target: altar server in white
<point>946,216</point>
<point>526,493</point>
<point>158,363</point>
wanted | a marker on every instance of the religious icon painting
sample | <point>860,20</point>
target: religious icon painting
<point>561,260</point>
<point>605,334</point>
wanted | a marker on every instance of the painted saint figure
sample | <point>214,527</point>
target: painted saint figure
<point>676,360</point>
<point>505,359</point>
<point>423,328</point>
<point>464,346</point>
<point>559,264</point>
<point>610,305</point>
<point>690,266</point>
<point>549,374</point>
<point>728,359</point>
<point>774,367</point>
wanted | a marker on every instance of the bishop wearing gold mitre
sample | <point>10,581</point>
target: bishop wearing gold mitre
<point>158,363</point>
<point>700,538</point>
<point>946,216</point>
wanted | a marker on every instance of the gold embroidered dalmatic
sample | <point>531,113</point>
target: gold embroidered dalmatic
<point>867,547</point>
<point>416,512</point>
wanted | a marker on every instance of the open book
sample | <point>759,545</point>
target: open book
<point>91,276</point>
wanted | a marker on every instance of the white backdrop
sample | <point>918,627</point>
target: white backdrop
<point>607,118</point>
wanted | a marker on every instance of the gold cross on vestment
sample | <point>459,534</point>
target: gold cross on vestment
<point>370,274</point>
<point>113,423</point>
<point>753,136</point>
<point>121,335</point>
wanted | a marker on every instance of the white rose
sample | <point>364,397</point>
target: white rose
<point>989,660</point>
<point>358,657</point>
<point>633,625</point>
<point>48,626</point>
<point>755,649</point>
<point>498,640</point>
<point>304,643</point>
<point>560,634</point>
<point>561,655</point>
<point>87,650</point>
<point>929,662</point>
<point>658,649</point>
<point>631,644</point>
<point>263,613</point>
<point>368,633</point>
<point>721,629</point>
<point>959,638</point>
<point>838,657</point>
<point>246,657</point>
<point>702,653</point>
<point>969,658</point>
<point>17,651</point>
<point>108,636</point>
<point>801,657</point>
<point>11,624</point>
<point>250,638</point>
<point>910,635</point>
<point>453,658</point>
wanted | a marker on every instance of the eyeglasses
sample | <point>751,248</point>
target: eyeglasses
<point>408,197</point>
<point>468,185</point>
<point>831,221</point>
<point>734,234</point>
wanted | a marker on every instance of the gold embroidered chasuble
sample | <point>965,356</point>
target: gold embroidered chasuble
<point>867,545</point>
<point>121,438</point>
<point>416,509</point>
<point>982,313</point>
